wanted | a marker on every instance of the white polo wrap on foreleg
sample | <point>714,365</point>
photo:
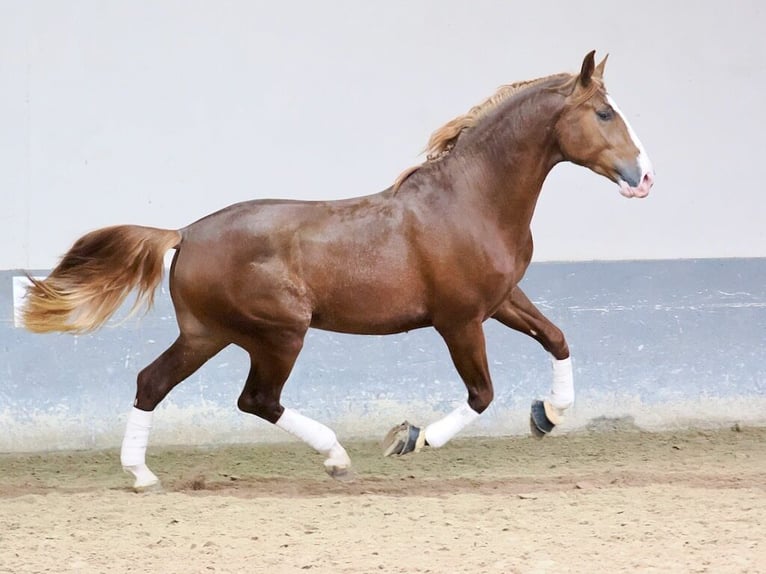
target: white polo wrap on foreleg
<point>439,433</point>
<point>316,435</point>
<point>133,452</point>
<point>562,389</point>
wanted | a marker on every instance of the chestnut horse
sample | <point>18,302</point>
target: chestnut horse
<point>445,246</point>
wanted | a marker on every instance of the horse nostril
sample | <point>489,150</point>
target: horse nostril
<point>648,179</point>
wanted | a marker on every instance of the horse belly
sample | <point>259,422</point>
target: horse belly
<point>370,308</point>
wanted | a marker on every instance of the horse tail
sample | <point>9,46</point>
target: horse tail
<point>96,275</point>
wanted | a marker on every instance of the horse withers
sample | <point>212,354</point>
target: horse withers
<point>445,247</point>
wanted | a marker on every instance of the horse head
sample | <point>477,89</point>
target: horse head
<point>593,132</point>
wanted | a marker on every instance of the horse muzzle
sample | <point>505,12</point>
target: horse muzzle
<point>640,188</point>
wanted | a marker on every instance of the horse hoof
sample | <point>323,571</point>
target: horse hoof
<point>151,488</point>
<point>539,423</point>
<point>145,479</point>
<point>403,439</point>
<point>533,430</point>
<point>341,473</point>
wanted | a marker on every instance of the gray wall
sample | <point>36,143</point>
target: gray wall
<point>669,343</point>
<point>160,112</point>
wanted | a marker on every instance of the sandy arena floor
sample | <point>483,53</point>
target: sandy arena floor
<point>623,501</point>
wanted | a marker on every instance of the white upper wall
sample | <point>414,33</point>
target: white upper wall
<point>158,113</point>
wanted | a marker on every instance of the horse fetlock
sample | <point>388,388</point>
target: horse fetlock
<point>145,479</point>
<point>440,432</point>
<point>337,456</point>
<point>560,404</point>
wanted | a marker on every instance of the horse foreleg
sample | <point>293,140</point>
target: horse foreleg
<point>520,314</point>
<point>467,348</point>
<point>269,370</point>
<point>179,361</point>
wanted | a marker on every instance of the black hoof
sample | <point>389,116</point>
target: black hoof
<point>539,423</point>
<point>401,439</point>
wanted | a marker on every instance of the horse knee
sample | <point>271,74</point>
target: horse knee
<point>480,400</point>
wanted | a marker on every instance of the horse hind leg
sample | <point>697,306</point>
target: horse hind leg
<point>466,345</point>
<point>271,364</point>
<point>179,361</point>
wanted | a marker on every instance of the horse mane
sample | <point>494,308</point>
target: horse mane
<point>445,138</point>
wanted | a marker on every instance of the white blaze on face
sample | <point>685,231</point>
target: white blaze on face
<point>644,163</point>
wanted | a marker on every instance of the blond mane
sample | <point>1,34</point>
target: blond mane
<point>444,139</point>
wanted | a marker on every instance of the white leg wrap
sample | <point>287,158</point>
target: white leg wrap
<point>133,453</point>
<point>136,437</point>
<point>439,433</point>
<point>562,389</point>
<point>316,435</point>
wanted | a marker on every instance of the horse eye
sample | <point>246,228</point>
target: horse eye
<point>605,115</point>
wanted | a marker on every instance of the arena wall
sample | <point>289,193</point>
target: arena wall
<point>655,344</point>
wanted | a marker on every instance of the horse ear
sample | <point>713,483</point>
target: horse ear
<point>586,72</point>
<point>599,71</point>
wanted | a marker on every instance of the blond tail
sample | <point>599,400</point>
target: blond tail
<point>95,276</point>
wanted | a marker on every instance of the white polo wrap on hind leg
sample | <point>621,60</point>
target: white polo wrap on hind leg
<point>136,437</point>
<point>440,432</point>
<point>316,435</point>
<point>133,452</point>
<point>562,389</point>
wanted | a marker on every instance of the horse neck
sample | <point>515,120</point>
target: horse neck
<point>514,149</point>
